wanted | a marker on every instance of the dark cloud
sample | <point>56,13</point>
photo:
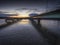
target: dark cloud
<point>2,12</point>
<point>39,4</point>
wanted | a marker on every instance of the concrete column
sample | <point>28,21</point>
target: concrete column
<point>38,22</point>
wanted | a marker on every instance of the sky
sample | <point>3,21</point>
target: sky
<point>26,6</point>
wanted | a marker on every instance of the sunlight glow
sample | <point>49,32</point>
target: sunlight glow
<point>24,21</point>
<point>23,14</point>
<point>20,13</point>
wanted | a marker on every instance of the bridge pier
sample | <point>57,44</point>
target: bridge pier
<point>38,22</point>
<point>9,20</point>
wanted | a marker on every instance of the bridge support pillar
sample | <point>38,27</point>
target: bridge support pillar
<point>9,20</point>
<point>38,22</point>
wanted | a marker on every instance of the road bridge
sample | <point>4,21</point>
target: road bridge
<point>55,15</point>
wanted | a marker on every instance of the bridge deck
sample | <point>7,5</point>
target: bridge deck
<point>29,18</point>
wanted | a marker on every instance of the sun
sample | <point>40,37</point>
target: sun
<point>24,14</point>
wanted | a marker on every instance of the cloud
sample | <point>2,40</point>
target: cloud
<point>7,12</point>
<point>2,12</point>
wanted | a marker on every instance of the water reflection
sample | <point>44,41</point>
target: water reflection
<point>49,29</point>
<point>24,29</point>
<point>24,21</point>
<point>52,25</point>
<point>2,21</point>
<point>21,34</point>
<point>4,24</point>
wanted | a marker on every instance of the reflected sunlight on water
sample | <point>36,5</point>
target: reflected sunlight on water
<point>24,21</point>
